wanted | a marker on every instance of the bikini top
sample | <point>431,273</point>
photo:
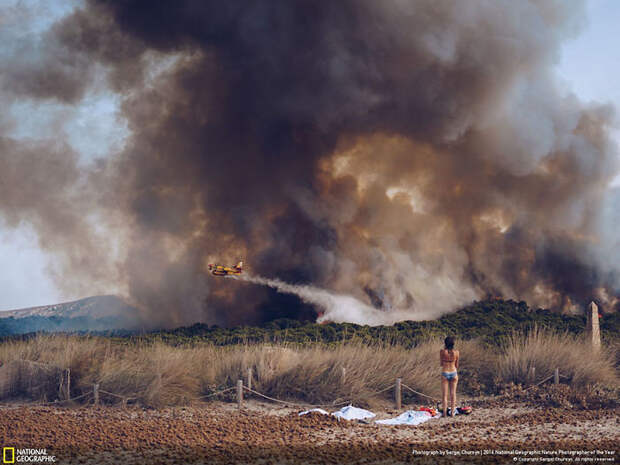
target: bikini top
<point>447,356</point>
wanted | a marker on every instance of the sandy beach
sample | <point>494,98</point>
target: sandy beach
<point>267,433</point>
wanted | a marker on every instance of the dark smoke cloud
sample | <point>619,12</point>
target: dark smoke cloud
<point>42,185</point>
<point>415,155</point>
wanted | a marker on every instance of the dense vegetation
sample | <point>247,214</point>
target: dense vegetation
<point>490,321</point>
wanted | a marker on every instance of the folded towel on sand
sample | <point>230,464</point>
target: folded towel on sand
<point>353,413</point>
<point>410,417</point>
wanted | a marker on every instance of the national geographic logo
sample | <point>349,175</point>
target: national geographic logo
<point>13,455</point>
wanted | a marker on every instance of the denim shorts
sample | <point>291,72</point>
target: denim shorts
<point>450,375</point>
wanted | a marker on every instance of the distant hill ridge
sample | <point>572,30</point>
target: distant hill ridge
<point>97,313</point>
<point>99,306</point>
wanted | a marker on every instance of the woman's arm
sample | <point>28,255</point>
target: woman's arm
<point>456,359</point>
<point>440,358</point>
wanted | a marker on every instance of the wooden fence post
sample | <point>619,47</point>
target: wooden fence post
<point>240,393</point>
<point>68,393</point>
<point>556,376</point>
<point>593,328</point>
<point>249,383</point>
<point>397,394</point>
<point>96,393</point>
<point>60,384</point>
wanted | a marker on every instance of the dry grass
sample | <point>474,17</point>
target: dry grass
<point>316,374</point>
<point>157,374</point>
<point>546,350</point>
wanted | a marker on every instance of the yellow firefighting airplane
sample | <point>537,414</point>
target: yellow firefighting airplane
<point>221,270</point>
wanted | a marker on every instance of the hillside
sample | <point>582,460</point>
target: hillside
<point>95,313</point>
<point>490,320</point>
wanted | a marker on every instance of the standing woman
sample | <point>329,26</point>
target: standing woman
<point>449,361</point>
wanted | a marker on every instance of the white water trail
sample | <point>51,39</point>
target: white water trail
<point>338,308</point>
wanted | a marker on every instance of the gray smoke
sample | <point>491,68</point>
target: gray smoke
<point>406,157</point>
<point>335,307</point>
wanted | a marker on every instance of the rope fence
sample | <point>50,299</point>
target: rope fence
<point>54,402</point>
<point>539,383</point>
<point>381,391</point>
<point>72,399</point>
<point>419,393</point>
<point>213,394</point>
<point>303,405</point>
<point>241,387</point>
<point>97,391</point>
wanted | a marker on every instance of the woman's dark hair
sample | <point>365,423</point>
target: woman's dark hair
<point>449,342</point>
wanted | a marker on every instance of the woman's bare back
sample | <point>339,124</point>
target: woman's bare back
<point>449,360</point>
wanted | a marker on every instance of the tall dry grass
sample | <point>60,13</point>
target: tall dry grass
<point>158,374</point>
<point>315,374</point>
<point>547,350</point>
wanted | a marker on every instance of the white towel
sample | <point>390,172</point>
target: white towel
<point>353,413</point>
<point>410,417</point>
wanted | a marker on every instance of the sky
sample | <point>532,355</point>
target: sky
<point>589,65</point>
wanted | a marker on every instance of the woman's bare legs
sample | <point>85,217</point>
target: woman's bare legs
<point>453,384</point>
<point>445,388</point>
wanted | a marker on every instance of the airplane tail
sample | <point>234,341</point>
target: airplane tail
<point>239,265</point>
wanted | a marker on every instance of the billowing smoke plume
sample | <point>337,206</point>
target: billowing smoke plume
<point>334,307</point>
<point>412,155</point>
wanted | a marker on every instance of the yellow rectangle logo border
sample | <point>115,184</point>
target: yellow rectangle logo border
<point>4,451</point>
